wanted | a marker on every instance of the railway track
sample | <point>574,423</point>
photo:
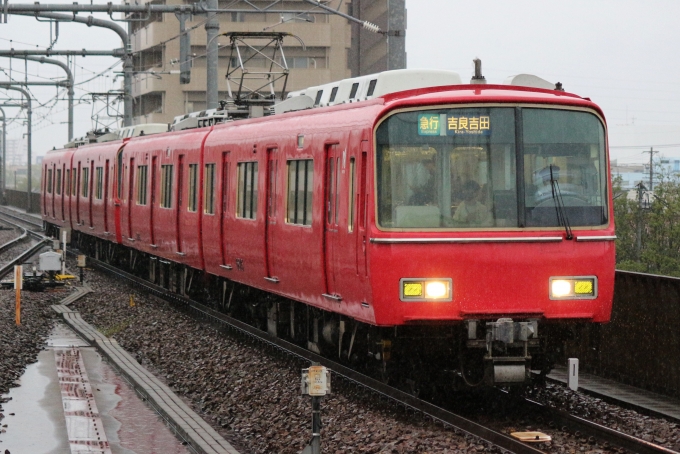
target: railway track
<point>560,419</point>
<point>38,242</point>
<point>571,423</point>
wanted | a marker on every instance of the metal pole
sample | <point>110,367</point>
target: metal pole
<point>184,50</point>
<point>127,63</point>
<point>69,78</point>
<point>315,443</point>
<point>3,164</point>
<point>28,138</point>
<point>212,29</point>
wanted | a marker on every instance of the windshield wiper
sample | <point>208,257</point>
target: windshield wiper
<point>559,204</point>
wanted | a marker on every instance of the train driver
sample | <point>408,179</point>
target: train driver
<point>471,211</point>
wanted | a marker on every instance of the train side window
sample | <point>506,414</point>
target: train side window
<point>85,181</point>
<point>74,182</point>
<point>247,190</point>
<point>193,174</point>
<point>209,189</point>
<point>166,186</point>
<point>300,182</point>
<point>352,192</point>
<point>49,181</point>
<point>99,183</point>
<point>142,178</point>
<point>58,182</point>
<point>119,165</point>
<point>67,183</point>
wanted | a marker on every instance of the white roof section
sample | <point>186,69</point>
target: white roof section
<point>375,85</point>
<point>529,80</point>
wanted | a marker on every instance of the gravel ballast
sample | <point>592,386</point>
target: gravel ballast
<point>252,396</point>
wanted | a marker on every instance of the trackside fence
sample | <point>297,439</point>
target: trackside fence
<point>18,199</point>
<point>641,344</point>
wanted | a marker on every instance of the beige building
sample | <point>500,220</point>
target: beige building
<point>334,50</point>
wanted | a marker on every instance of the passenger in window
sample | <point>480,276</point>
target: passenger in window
<point>423,187</point>
<point>471,211</point>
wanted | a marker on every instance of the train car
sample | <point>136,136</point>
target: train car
<point>418,226</point>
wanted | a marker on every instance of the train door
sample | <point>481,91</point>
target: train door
<point>152,207</point>
<point>270,223</point>
<point>52,189</point>
<point>130,195</point>
<point>331,225</point>
<point>180,193</point>
<point>90,193</point>
<point>119,193</point>
<point>77,192</point>
<point>44,193</point>
<point>224,221</point>
<point>63,191</point>
<point>106,197</point>
<point>362,210</point>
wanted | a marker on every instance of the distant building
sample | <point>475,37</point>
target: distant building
<point>633,174</point>
<point>334,50</point>
<point>17,151</point>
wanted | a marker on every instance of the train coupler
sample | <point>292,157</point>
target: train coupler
<point>506,371</point>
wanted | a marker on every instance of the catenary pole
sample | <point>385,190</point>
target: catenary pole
<point>127,53</point>
<point>29,113</point>
<point>212,29</point>
<point>3,166</point>
<point>69,78</point>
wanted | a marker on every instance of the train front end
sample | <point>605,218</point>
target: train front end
<point>493,221</point>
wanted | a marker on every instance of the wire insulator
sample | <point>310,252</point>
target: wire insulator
<point>371,27</point>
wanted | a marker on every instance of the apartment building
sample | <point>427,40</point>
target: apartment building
<point>333,49</point>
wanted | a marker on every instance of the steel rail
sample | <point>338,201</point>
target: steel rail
<point>22,219</point>
<point>11,243</point>
<point>405,400</point>
<point>575,423</point>
<point>6,268</point>
<point>21,258</point>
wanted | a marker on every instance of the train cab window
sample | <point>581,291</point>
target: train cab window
<point>247,190</point>
<point>85,181</point>
<point>193,183</point>
<point>300,190</point>
<point>142,179</point>
<point>58,190</point>
<point>99,183</point>
<point>563,157</point>
<point>459,168</point>
<point>166,186</point>
<point>49,181</point>
<point>209,189</point>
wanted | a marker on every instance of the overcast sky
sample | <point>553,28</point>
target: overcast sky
<point>623,54</point>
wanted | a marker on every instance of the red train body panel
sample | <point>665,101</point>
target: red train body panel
<point>343,260</point>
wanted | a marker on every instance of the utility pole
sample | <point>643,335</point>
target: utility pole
<point>638,236</point>
<point>651,167</point>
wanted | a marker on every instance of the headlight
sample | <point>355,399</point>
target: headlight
<point>573,288</point>
<point>425,289</point>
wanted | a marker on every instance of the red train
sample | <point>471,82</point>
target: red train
<point>450,229</point>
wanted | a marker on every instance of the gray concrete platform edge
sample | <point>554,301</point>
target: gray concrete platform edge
<point>200,443</point>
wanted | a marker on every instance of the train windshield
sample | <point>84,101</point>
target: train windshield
<point>491,167</point>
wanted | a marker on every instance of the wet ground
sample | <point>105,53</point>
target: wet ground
<point>49,411</point>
